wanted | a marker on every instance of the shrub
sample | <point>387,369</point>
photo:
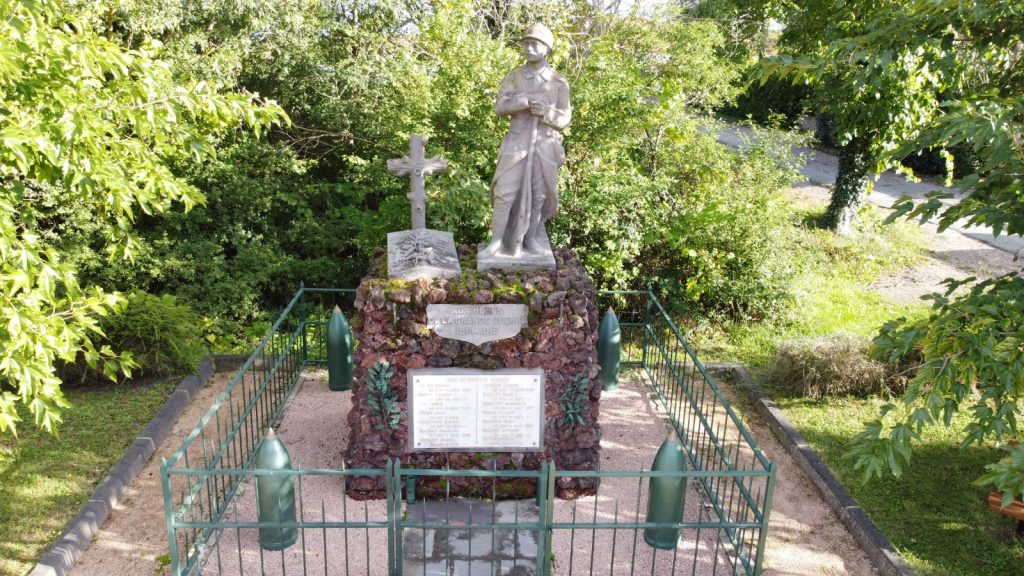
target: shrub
<point>635,150</point>
<point>162,336</point>
<point>931,162</point>
<point>723,249</point>
<point>776,101</point>
<point>832,366</point>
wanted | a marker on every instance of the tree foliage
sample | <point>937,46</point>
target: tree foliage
<point>972,344</point>
<point>358,80</point>
<point>313,200</point>
<point>88,122</point>
<point>899,77</point>
<point>876,101</point>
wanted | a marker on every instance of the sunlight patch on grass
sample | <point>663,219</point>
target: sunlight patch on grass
<point>933,513</point>
<point>45,479</point>
<point>832,294</point>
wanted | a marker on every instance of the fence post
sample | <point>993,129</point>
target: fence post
<point>394,498</point>
<point>542,502</point>
<point>545,516</point>
<point>303,318</point>
<point>172,538</point>
<point>647,326</point>
<point>549,519</point>
<point>763,536</point>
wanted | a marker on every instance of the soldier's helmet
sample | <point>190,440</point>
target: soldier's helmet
<point>540,33</point>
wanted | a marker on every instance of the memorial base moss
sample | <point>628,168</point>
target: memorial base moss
<point>390,323</point>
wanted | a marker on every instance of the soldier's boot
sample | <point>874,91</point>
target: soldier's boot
<point>498,224</point>
<point>531,242</point>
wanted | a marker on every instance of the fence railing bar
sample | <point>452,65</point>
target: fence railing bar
<point>683,524</point>
<point>394,483</point>
<point>294,524</point>
<point>494,511</point>
<point>615,535</point>
<point>253,405</point>
<point>593,533</point>
<point>486,525</point>
<point>675,557</point>
<point>636,517</point>
<point>447,520</point>
<point>670,365</point>
<point>737,556</point>
<point>718,548</point>
<point>284,568</point>
<point>366,532</point>
<point>233,486</point>
<point>712,437</point>
<point>478,473</point>
<point>696,550</point>
<point>660,473</point>
<point>655,381</point>
<point>572,537</point>
<point>302,531</point>
<point>263,569</point>
<point>707,378</point>
<point>763,535</point>
<point>224,395</point>
<point>344,515</point>
<point>172,538</point>
<point>245,472</point>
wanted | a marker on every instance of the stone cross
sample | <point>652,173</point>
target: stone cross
<point>417,168</point>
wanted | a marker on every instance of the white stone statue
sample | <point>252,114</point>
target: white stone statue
<point>524,190</point>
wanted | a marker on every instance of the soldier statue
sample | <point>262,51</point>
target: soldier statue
<point>524,190</point>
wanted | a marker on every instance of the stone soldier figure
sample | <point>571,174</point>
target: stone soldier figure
<point>524,190</point>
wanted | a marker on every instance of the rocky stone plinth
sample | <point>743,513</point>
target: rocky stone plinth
<point>390,323</point>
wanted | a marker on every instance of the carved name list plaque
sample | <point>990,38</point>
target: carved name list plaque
<point>465,410</point>
<point>476,323</point>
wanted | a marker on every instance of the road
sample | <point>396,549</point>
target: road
<point>821,169</point>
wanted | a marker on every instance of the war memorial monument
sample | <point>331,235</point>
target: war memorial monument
<point>490,349</point>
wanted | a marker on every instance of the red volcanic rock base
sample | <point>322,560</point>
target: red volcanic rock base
<point>391,323</point>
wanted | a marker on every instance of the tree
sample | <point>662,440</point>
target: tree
<point>972,344</point>
<point>357,79</point>
<point>876,101</point>
<point>905,76</point>
<point>93,123</point>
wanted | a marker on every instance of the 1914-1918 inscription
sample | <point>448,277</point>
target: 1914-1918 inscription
<point>457,409</point>
<point>476,323</point>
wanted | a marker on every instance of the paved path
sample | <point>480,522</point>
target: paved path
<point>821,169</point>
<point>463,550</point>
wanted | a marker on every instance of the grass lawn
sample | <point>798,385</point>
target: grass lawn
<point>831,294</point>
<point>933,514</point>
<point>45,479</point>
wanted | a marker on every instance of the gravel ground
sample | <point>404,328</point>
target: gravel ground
<point>805,537</point>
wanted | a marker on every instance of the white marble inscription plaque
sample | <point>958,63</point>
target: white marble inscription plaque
<point>476,323</point>
<point>456,409</point>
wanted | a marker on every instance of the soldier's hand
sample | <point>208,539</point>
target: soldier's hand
<point>538,108</point>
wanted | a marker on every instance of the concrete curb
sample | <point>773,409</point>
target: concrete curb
<point>78,534</point>
<point>878,548</point>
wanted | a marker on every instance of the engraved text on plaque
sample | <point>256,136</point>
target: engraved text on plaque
<point>455,409</point>
<point>476,323</point>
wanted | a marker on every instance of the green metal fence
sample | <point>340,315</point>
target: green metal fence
<point>211,512</point>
